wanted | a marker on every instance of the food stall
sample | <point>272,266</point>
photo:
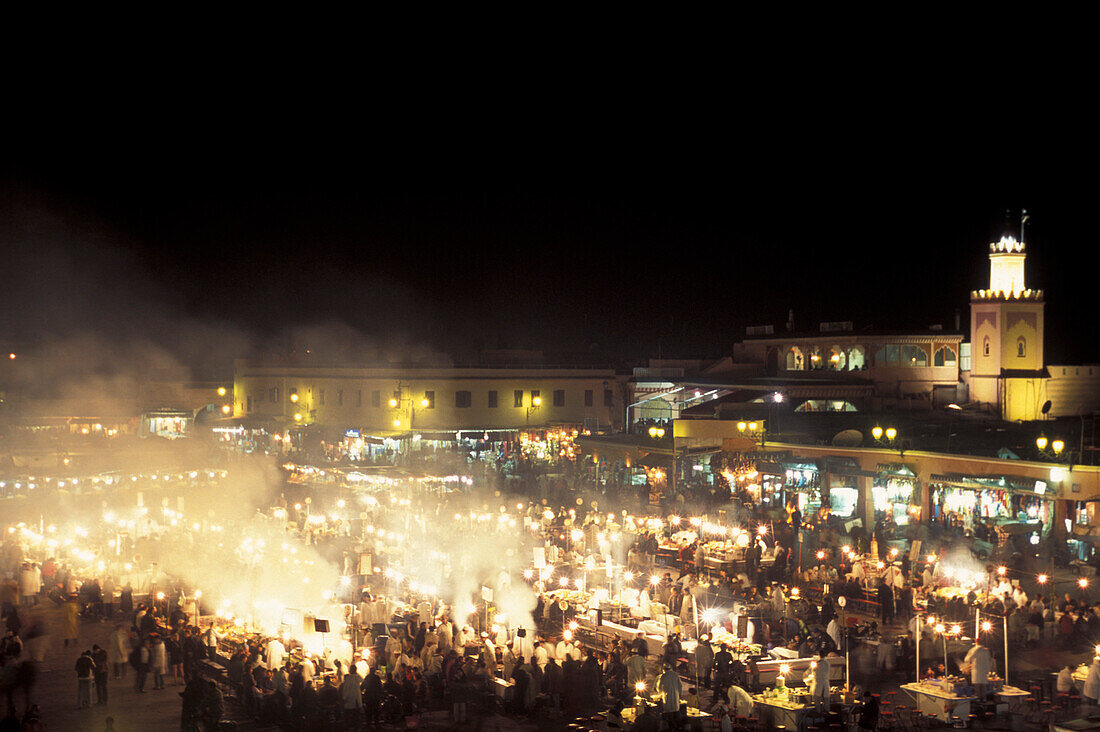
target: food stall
<point>943,698</point>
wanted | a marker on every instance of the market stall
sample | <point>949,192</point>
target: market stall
<point>941,698</point>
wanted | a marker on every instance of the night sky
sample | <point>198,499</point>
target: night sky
<point>615,256</point>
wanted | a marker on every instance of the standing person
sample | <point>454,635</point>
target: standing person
<point>372,697</point>
<point>351,696</point>
<point>886,601</point>
<point>85,677</point>
<point>71,625</point>
<point>980,661</point>
<point>118,651</point>
<point>139,659</point>
<point>210,638</point>
<point>158,661</point>
<point>175,657</point>
<point>704,660</point>
<point>669,684</point>
<point>99,656</point>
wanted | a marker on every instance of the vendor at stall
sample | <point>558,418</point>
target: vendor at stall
<point>980,661</point>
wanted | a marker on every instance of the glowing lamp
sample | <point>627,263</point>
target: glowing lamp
<point>784,669</point>
<point>1083,582</point>
<point>939,628</point>
<point>1042,579</point>
<point>660,432</point>
<point>297,416</point>
<point>956,629</point>
<point>821,554</point>
<point>424,402</point>
<point>573,625</point>
<point>568,635</point>
<point>397,423</point>
<point>1058,446</point>
<point>225,409</point>
<point>294,398</point>
<point>931,620</point>
<point>654,580</point>
<point>628,576</point>
<point>1001,570</point>
<point>794,592</point>
<point>881,565</point>
<point>564,582</point>
<point>536,401</point>
<point>845,549</point>
<point>891,433</point>
<point>741,426</point>
<point>1041,443</point>
<point>639,687</point>
<point>528,573</point>
<point>931,558</point>
<point>752,426</point>
<point>876,432</point>
<point>986,626</point>
<point>762,529</point>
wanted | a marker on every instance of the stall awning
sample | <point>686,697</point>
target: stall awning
<point>653,460</point>
<point>1010,483</point>
<point>900,470</point>
<point>769,468</point>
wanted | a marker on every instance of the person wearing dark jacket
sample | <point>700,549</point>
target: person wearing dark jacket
<point>886,601</point>
<point>372,698</point>
<point>868,715</point>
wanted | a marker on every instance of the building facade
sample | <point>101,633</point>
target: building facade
<point>397,400</point>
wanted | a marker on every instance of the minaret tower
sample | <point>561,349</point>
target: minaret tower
<point>1006,334</point>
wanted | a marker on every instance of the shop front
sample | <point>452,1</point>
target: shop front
<point>803,483</point>
<point>995,509</point>
<point>896,495</point>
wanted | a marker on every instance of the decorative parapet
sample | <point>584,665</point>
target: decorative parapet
<point>1027,295</point>
<point>1007,245</point>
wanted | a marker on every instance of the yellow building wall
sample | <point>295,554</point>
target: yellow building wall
<point>1023,399</point>
<point>346,401</point>
<point>1022,322</point>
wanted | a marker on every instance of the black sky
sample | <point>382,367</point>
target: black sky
<point>621,244</point>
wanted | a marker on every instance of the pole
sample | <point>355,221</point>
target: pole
<point>918,649</point>
<point>1005,674</point>
<point>977,623</point>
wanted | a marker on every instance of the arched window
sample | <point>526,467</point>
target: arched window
<point>944,357</point>
<point>1021,347</point>
<point>795,360</point>
<point>985,346</point>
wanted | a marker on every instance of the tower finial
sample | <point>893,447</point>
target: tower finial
<point>1023,220</point>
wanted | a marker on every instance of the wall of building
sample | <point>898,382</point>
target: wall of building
<point>360,397</point>
<point>1073,390</point>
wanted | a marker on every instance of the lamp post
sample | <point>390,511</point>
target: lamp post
<point>954,409</point>
<point>536,402</point>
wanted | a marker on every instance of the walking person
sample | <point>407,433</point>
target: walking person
<point>85,677</point>
<point>99,656</point>
<point>118,651</point>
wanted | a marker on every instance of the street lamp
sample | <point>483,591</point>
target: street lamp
<point>656,432</point>
<point>536,402</point>
<point>887,437</point>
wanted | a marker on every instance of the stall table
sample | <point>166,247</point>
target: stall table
<point>774,712</point>
<point>1012,696</point>
<point>931,699</point>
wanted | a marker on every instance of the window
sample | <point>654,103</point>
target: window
<point>985,346</point>
<point>914,357</point>
<point>429,396</point>
<point>944,357</point>
<point>588,397</point>
<point>795,359</point>
<point>321,397</point>
<point>559,397</point>
<point>893,354</point>
<point>517,398</point>
<point>339,397</point>
<point>1021,347</point>
<point>492,399</point>
<point>608,398</point>
<point>376,398</point>
<point>462,399</point>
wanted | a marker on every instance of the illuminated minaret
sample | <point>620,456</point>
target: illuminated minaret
<point>1006,335</point>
